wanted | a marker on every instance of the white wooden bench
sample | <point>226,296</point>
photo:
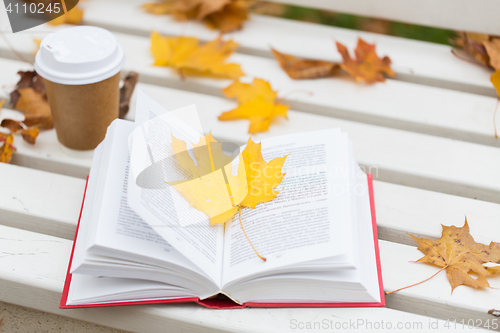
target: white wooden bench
<point>427,135</point>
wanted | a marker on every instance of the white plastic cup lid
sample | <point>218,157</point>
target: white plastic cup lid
<point>79,55</point>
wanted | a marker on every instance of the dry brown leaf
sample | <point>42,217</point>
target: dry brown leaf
<point>458,254</point>
<point>30,134</point>
<point>224,15</point>
<point>493,49</point>
<point>35,107</point>
<point>12,125</point>
<point>126,93</point>
<point>257,104</point>
<point>367,66</point>
<point>472,44</point>
<point>230,18</point>
<point>7,148</point>
<point>300,68</point>
<point>189,58</point>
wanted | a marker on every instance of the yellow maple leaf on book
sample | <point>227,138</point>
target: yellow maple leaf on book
<point>212,188</point>
<point>188,57</point>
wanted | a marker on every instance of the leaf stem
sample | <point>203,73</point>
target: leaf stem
<point>248,239</point>
<point>390,292</point>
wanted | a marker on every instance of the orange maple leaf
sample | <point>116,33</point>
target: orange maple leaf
<point>300,68</point>
<point>458,254</point>
<point>257,104</point>
<point>367,66</point>
<point>188,57</point>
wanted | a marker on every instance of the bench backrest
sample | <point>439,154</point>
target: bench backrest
<point>465,15</point>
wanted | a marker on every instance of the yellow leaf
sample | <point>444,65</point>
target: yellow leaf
<point>206,188</point>
<point>7,149</point>
<point>367,66</point>
<point>262,177</point>
<point>211,187</point>
<point>35,108</point>
<point>74,16</point>
<point>188,57</point>
<point>1,104</point>
<point>257,104</point>
<point>158,8</point>
<point>230,17</point>
<point>458,254</point>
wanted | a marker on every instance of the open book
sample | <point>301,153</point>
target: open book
<point>140,241</point>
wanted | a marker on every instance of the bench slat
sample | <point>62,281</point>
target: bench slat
<point>49,203</point>
<point>33,266</point>
<point>413,61</point>
<point>395,156</point>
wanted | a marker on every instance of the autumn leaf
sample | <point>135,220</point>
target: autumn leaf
<point>30,98</point>
<point>223,15</point>
<point>458,254</point>
<point>211,186</point>
<point>7,148</point>
<point>262,177</point>
<point>1,104</point>
<point>35,107</point>
<point>300,68</point>
<point>206,188</point>
<point>74,16</point>
<point>367,66</point>
<point>483,49</point>
<point>257,103</point>
<point>189,58</point>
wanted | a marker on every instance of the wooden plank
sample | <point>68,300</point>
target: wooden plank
<point>49,203</point>
<point>466,15</point>
<point>40,201</point>
<point>396,156</point>
<point>33,266</point>
<point>413,61</point>
<point>394,104</point>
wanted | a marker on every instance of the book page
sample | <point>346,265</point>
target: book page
<point>120,232</point>
<point>159,204</point>
<point>310,217</point>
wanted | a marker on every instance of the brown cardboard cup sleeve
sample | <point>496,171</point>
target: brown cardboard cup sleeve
<point>81,69</point>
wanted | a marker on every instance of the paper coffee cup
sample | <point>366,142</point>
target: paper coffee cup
<point>81,70</point>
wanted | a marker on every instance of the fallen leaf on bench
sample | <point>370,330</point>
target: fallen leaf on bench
<point>35,107</point>
<point>212,188</point>
<point>257,103</point>
<point>223,15</point>
<point>483,49</point>
<point>367,66</point>
<point>74,16</point>
<point>29,134</point>
<point>30,98</point>
<point>300,68</point>
<point>189,58</point>
<point>458,254</point>
<point>7,148</point>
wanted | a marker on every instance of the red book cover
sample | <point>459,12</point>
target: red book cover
<point>226,303</point>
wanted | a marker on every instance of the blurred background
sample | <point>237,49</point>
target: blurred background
<point>348,21</point>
